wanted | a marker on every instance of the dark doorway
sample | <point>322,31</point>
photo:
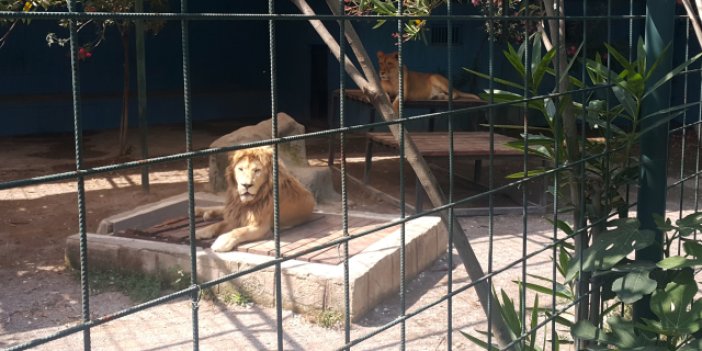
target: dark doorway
<point>318,85</point>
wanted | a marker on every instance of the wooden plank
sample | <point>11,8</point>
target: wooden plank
<point>294,237</point>
<point>258,245</point>
<point>436,144</point>
<point>183,231</point>
<point>353,229</point>
<point>320,229</point>
<point>168,225</point>
<point>328,235</point>
<point>353,226</point>
<point>358,95</point>
<point>333,256</point>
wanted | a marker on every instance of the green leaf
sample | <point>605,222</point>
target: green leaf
<point>534,322</point>
<point>507,96</point>
<point>623,335</point>
<point>670,305</point>
<point>633,286</point>
<point>510,316</point>
<point>539,70</point>
<point>539,145</point>
<point>515,59</point>
<point>578,83</point>
<point>562,225</point>
<point>641,55</point>
<point>559,319</point>
<point>585,330</point>
<point>664,115</point>
<point>561,290</point>
<point>385,7</point>
<point>641,59</point>
<point>479,342</point>
<point>668,76</point>
<point>635,266</point>
<point>678,262</point>
<point>536,53</point>
<point>626,99</point>
<point>693,248</point>
<point>599,74</point>
<point>610,248</point>
<point>495,79</point>
<point>574,81</point>
<point>564,259</point>
<point>693,220</point>
<point>620,58</point>
<point>379,23</point>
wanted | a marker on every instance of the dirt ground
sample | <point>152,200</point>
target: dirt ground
<point>39,295</point>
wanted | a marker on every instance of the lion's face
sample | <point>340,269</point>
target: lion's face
<point>388,64</point>
<point>251,170</point>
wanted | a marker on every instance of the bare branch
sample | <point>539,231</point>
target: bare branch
<point>694,17</point>
<point>544,37</point>
<point>552,22</point>
<point>3,40</point>
<point>373,88</point>
<point>382,105</point>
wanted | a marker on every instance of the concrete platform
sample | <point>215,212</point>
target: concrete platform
<point>311,283</point>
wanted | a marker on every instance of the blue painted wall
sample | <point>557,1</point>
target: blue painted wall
<point>229,69</point>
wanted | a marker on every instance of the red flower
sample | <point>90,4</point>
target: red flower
<point>84,54</point>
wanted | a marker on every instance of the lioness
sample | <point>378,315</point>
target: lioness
<point>417,85</point>
<point>248,211</point>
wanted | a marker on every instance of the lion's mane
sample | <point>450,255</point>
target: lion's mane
<point>260,208</point>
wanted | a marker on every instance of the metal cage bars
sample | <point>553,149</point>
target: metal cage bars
<point>272,17</point>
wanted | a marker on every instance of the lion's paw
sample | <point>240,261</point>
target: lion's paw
<point>224,243</point>
<point>204,233</point>
<point>209,215</point>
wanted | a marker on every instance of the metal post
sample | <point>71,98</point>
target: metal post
<point>654,144</point>
<point>141,92</point>
<point>78,146</point>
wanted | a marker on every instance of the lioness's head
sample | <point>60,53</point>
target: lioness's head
<point>388,64</point>
<point>250,172</point>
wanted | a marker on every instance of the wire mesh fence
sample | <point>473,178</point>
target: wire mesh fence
<point>582,103</point>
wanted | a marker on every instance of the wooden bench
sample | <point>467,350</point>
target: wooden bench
<point>436,144</point>
<point>475,145</point>
<point>431,106</point>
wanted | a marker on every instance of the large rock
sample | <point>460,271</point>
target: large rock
<point>293,154</point>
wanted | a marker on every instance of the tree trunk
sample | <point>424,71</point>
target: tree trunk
<point>572,140</point>
<point>369,82</point>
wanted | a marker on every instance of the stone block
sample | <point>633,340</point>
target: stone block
<point>307,287</point>
<point>293,154</point>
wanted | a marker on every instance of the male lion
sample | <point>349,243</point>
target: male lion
<point>247,214</point>
<point>417,85</point>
